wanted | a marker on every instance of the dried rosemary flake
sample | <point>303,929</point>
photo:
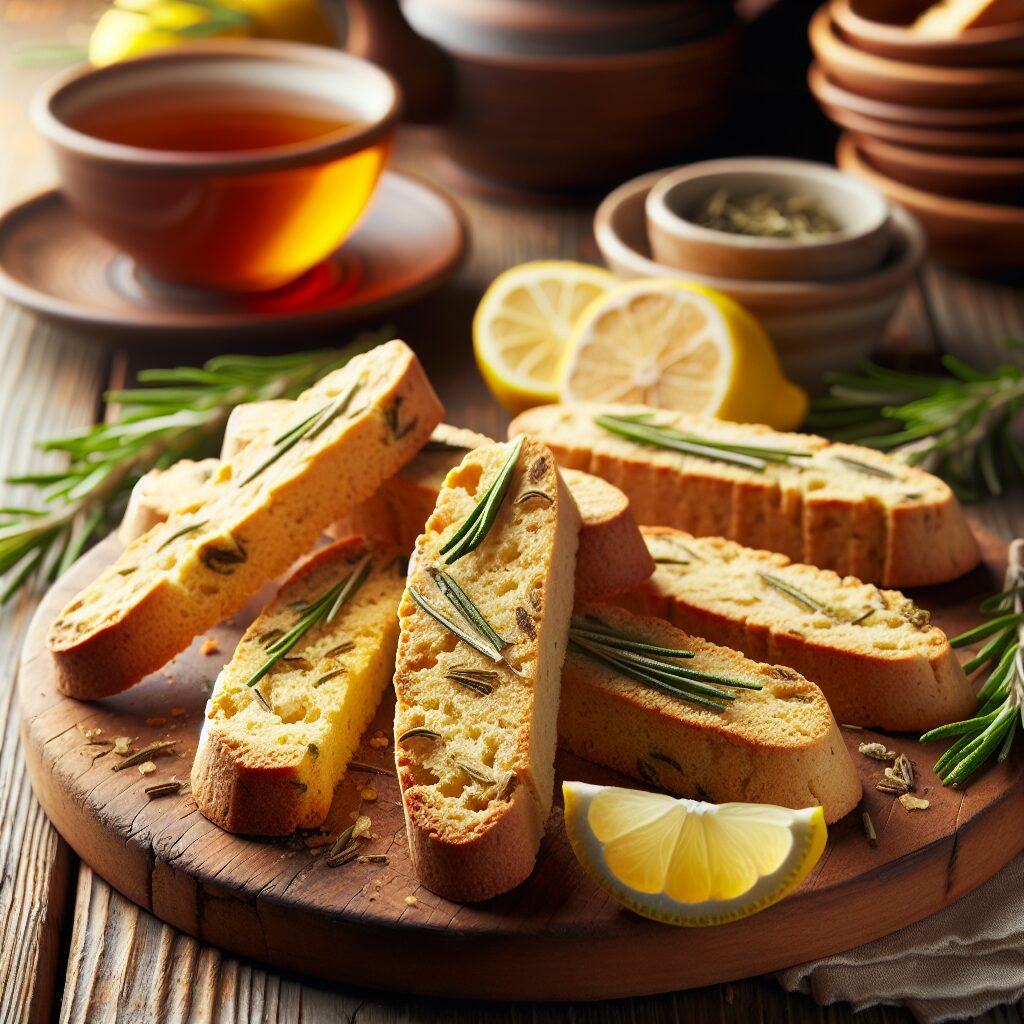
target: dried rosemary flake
<point>346,856</point>
<point>893,782</point>
<point>766,215</point>
<point>184,531</point>
<point>529,495</point>
<point>262,700</point>
<point>525,623</point>
<point>375,858</point>
<point>913,803</point>
<point>343,648</point>
<point>162,789</point>
<point>143,755</point>
<point>362,766</point>
<point>869,828</point>
<point>849,727</point>
<point>877,751</point>
<point>905,768</point>
<point>127,571</point>
<point>538,469</point>
<point>327,676</point>
<point>419,733</point>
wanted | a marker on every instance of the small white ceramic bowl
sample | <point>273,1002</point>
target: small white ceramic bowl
<point>677,240</point>
<point>816,326</point>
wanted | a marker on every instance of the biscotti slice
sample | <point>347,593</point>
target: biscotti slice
<point>160,492</point>
<point>271,754</point>
<point>262,511</point>
<point>611,559</point>
<point>837,506</point>
<point>873,652</point>
<point>475,731</point>
<point>776,745</point>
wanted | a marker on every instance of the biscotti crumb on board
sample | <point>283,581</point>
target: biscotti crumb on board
<point>123,746</point>
<point>209,646</point>
<point>914,803</point>
<point>876,751</point>
<point>147,768</point>
<point>411,901</point>
<point>368,794</point>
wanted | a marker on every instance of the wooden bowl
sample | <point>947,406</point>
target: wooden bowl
<point>925,85</point>
<point>816,326</point>
<point>678,241</point>
<point>882,27</point>
<point>992,179</point>
<point>834,101</point>
<point>976,238</point>
<point>573,123</point>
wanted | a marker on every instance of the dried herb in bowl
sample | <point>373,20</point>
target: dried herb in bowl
<point>766,215</point>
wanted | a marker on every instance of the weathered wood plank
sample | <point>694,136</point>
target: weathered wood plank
<point>49,384</point>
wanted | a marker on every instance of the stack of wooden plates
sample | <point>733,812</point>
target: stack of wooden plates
<point>936,124</point>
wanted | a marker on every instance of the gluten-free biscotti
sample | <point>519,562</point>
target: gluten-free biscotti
<point>837,506</point>
<point>476,715</point>
<point>874,653</point>
<point>263,510</point>
<point>276,742</point>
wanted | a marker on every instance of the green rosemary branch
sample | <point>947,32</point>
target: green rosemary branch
<point>324,609</point>
<point>470,535</point>
<point>655,666</point>
<point>182,416</point>
<point>1001,699</point>
<point>642,430</point>
<point>958,425</point>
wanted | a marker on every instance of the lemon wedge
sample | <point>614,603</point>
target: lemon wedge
<point>523,323</point>
<point>677,345</point>
<point>685,862</point>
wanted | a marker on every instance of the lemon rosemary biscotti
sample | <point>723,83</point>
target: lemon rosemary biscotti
<point>715,726</point>
<point>837,506</point>
<point>611,558</point>
<point>484,624</point>
<point>873,652</point>
<point>287,712</point>
<point>158,493</point>
<point>262,510</point>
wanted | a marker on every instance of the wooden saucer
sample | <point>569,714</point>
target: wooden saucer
<point>408,243</point>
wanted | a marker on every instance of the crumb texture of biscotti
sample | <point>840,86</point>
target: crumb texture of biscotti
<point>270,755</point>
<point>475,753</point>
<point>259,513</point>
<point>874,653</point>
<point>777,745</point>
<point>268,762</point>
<point>837,506</point>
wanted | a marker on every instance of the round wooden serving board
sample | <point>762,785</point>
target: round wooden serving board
<point>557,936</point>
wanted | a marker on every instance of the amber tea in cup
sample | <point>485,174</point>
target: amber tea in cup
<point>230,165</point>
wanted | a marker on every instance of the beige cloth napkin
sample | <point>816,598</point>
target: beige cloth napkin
<point>953,965</point>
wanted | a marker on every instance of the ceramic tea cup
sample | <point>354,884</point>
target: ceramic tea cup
<point>232,165</point>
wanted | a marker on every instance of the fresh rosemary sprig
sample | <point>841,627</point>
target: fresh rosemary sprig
<point>323,609</point>
<point>470,535</point>
<point>641,429</point>
<point>655,666</point>
<point>1001,698</point>
<point>182,417</point>
<point>958,425</point>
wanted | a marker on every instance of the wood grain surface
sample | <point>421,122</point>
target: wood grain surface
<point>74,948</point>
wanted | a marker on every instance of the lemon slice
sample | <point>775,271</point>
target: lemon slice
<point>523,323</point>
<point>690,863</point>
<point>677,345</point>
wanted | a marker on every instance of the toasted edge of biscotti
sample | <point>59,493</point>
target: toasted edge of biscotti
<point>780,745</point>
<point>874,653</point>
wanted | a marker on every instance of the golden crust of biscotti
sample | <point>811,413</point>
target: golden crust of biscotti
<point>874,653</point>
<point>269,772</point>
<point>264,509</point>
<point>477,788</point>
<point>888,523</point>
<point>778,745</point>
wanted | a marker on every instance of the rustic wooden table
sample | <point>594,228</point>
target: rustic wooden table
<point>72,948</point>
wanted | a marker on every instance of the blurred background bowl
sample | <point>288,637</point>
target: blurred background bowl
<point>882,27</point>
<point>994,179</point>
<point>974,237</point>
<point>926,85</point>
<point>816,326</point>
<point>677,240</point>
